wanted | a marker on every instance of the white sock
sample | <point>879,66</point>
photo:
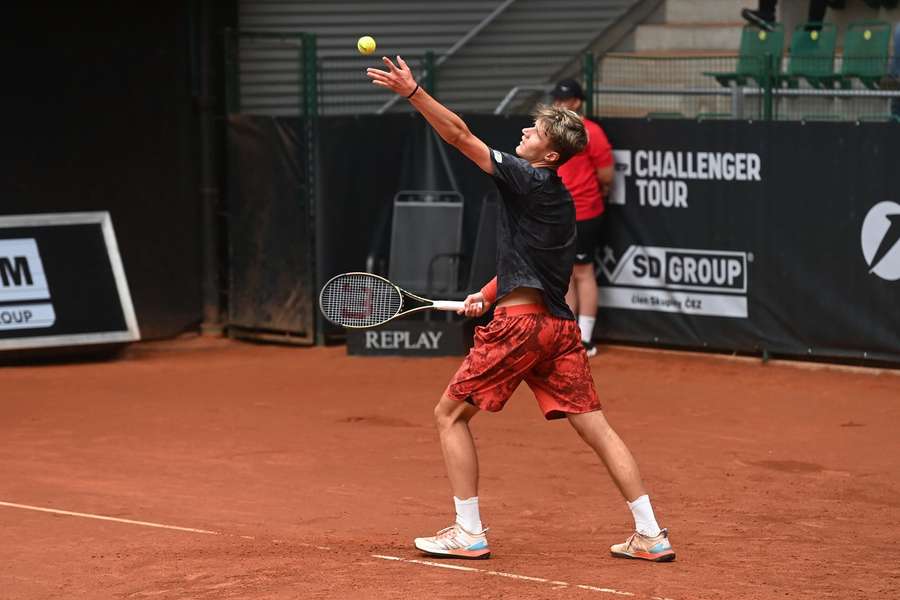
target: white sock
<point>467,514</point>
<point>644,521</point>
<point>586,324</point>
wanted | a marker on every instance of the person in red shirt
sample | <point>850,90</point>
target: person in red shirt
<point>588,176</point>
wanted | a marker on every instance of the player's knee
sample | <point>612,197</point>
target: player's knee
<point>448,412</point>
<point>443,416</point>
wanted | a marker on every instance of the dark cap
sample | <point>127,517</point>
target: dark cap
<point>567,88</point>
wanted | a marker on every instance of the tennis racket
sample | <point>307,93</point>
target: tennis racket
<point>363,300</point>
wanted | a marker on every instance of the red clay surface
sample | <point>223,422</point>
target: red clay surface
<point>775,481</point>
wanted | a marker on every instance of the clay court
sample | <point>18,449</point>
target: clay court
<point>232,470</point>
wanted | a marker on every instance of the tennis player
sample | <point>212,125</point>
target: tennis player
<point>533,335</point>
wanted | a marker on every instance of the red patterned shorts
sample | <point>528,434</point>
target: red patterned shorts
<point>525,342</point>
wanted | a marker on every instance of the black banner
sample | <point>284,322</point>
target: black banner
<point>62,283</point>
<point>773,237</point>
<point>778,237</point>
<point>271,268</point>
<point>410,337</point>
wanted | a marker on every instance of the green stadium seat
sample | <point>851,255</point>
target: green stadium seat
<point>812,55</point>
<point>757,47</point>
<point>866,46</point>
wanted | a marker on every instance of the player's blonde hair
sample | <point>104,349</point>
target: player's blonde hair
<point>563,127</point>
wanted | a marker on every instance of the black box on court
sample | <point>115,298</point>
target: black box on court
<point>405,337</point>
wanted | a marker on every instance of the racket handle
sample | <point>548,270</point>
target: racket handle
<point>450,305</point>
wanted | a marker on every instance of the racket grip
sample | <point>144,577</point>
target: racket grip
<point>448,305</point>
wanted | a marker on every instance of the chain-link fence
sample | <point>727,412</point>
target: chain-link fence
<point>635,86</point>
<point>733,87</point>
<point>286,74</point>
<point>271,73</point>
<point>344,88</point>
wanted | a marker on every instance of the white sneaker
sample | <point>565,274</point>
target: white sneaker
<point>455,542</point>
<point>656,549</point>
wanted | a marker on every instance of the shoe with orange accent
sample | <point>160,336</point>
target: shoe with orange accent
<point>656,548</point>
<point>455,542</point>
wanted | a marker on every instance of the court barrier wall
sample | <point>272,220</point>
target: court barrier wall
<point>757,237</point>
<point>762,237</point>
<point>271,282</point>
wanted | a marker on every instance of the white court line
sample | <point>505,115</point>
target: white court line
<point>429,563</point>
<point>557,584</point>
<point>69,513</point>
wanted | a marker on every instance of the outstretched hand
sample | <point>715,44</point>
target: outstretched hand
<point>398,78</point>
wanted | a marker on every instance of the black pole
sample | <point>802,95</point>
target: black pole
<point>209,190</point>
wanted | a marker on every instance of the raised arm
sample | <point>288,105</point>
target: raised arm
<point>399,79</point>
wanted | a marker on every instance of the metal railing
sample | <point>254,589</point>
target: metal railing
<point>281,73</point>
<point>730,87</point>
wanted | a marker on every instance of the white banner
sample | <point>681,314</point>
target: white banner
<point>21,271</point>
<point>27,316</point>
<point>689,303</point>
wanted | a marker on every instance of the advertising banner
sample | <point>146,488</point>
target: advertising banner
<point>778,237</point>
<point>62,282</point>
<point>408,337</point>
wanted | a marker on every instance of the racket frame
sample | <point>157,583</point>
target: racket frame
<point>428,304</point>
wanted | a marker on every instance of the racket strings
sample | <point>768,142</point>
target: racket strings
<point>359,300</point>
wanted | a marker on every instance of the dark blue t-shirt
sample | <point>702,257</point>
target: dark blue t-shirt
<point>535,231</point>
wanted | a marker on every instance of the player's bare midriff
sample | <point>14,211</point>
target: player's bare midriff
<point>522,295</point>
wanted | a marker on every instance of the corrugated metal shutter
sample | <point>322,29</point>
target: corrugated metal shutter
<point>268,73</point>
<point>528,42</point>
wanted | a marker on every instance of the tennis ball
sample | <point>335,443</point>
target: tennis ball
<point>366,44</point>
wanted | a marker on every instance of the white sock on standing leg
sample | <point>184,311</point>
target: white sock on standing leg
<point>467,514</point>
<point>644,520</point>
<point>586,324</point>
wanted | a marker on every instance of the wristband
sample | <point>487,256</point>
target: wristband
<point>489,291</point>
<point>412,93</point>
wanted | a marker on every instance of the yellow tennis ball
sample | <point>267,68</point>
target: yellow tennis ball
<point>366,44</point>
